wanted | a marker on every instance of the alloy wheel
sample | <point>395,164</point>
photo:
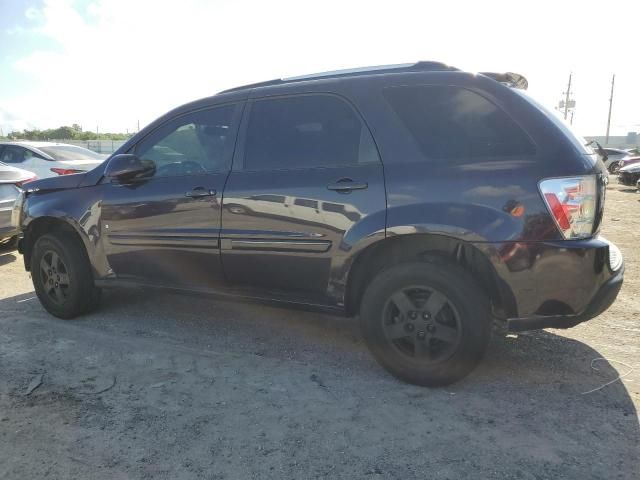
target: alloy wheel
<point>54,277</point>
<point>422,323</point>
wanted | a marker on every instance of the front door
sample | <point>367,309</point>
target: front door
<point>306,174</point>
<point>164,229</point>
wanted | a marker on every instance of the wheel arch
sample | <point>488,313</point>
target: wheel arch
<point>427,248</point>
<point>48,224</point>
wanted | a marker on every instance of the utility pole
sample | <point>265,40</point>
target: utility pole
<point>138,125</point>
<point>566,100</point>
<point>613,82</point>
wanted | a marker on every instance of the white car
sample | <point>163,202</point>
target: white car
<point>11,179</point>
<point>48,159</point>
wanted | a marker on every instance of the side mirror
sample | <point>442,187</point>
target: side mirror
<point>126,167</point>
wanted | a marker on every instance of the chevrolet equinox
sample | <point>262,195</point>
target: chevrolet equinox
<point>429,202</point>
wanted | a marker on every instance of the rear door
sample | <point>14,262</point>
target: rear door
<point>305,174</point>
<point>164,229</point>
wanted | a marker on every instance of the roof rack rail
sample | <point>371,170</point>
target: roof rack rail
<point>421,66</point>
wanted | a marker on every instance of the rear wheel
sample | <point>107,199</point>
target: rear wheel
<point>62,276</point>
<point>426,322</point>
<point>614,167</point>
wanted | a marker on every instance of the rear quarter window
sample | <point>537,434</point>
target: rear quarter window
<point>580,144</point>
<point>452,123</point>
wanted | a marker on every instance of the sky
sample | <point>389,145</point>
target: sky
<point>109,64</point>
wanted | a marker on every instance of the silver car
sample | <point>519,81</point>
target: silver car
<point>49,159</point>
<point>11,180</point>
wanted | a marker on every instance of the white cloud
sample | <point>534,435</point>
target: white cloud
<point>10,122</point>
<point>121,61</point>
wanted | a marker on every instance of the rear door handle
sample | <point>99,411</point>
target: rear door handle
<point>200,192</point>
<point>346,185</point>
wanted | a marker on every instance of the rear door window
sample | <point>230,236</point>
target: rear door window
<point>454,123</point>
<point>13,154</point>
<point>305,131</point>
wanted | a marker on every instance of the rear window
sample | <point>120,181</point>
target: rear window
<point>453,123</point>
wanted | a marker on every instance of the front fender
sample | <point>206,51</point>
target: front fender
<point>78,209</point>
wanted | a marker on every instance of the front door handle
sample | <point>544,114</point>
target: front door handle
<point>346,185</point>
<point>200,192</point>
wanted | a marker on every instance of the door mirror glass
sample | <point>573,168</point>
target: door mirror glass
<point>126,168</point>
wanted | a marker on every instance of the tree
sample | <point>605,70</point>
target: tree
<point>65,133</point>
<point>73,132</point>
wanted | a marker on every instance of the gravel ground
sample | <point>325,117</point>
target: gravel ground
<point>169,387</point>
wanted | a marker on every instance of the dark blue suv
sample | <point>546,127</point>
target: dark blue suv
<point>427,201</point>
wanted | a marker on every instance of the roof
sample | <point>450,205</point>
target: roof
<point>37,144</point>
<point>422,66</point>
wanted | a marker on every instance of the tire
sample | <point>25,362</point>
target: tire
<point>62,276</point>
<point>614,167</point>
<point>440,335</point>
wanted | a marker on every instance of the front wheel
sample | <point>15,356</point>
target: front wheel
<point>62,276</point>
<point>427,323</point>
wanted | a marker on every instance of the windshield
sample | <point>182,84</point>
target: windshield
<point>71,152</point>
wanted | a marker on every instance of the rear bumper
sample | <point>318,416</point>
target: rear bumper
<point>601,301</point>
<point>553,284</point>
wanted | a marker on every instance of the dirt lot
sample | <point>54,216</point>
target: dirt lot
<point>176,387</point>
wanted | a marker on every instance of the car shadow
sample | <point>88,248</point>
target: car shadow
<point>6,258</point>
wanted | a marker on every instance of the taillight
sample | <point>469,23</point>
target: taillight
<point>572,203</point>
<point>65,171</point>
<point>20,184</point>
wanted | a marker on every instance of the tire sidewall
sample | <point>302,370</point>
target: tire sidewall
<point>467,299</point>
<point>79,287</point>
